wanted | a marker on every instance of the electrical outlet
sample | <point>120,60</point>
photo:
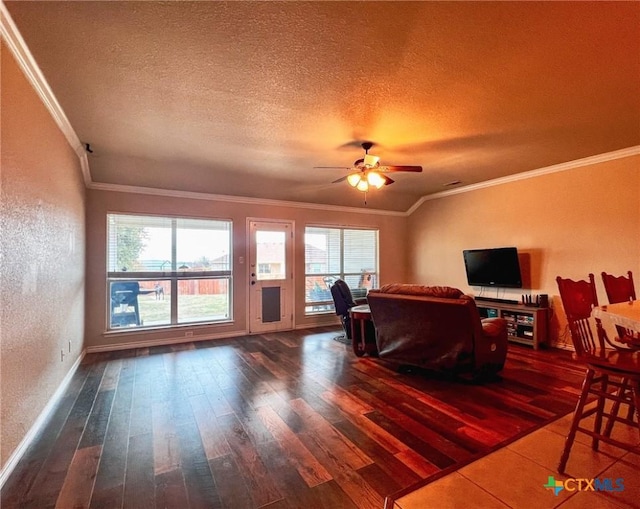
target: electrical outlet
<point>69,346</point>
<point>188,334</point>
<point>61,355</point>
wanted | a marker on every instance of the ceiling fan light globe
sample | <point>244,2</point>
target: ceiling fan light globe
<point>354,179</point>
<point>375,179</point>
<point>363,186</point>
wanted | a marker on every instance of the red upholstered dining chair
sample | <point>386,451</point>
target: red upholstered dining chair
<point>621,289</point>
<point>612,373</point>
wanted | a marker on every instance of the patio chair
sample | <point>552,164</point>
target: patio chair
<point>124,304</point>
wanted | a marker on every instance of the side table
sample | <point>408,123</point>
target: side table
<point>363,334</point>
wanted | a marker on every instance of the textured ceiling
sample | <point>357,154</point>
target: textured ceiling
<point>245,98</point>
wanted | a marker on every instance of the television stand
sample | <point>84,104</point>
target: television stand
<point>501,301</point>
<point>526,325</point>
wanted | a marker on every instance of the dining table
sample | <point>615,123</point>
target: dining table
<point>622,314</point>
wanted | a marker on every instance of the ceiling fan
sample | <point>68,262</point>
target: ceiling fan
<point>368,172</point>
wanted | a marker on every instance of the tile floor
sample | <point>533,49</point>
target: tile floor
<point>514,476</point>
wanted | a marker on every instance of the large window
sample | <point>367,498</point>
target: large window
<point>164,271</point>
<point>331,253</point>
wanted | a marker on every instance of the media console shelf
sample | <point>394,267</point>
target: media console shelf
<point>525,324</point>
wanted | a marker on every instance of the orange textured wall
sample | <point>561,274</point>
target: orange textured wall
<point>42,241</point>
<point>565,224</point>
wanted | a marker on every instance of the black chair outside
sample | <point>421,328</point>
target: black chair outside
<point>124,304</point>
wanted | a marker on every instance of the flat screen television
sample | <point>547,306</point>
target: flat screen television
<point>493,267</point>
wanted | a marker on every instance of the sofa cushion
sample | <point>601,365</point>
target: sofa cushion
<point>443,292</point>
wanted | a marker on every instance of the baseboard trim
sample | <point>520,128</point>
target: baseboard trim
<point>40,421</point>
<point>316,325</point>
<point>113,347</point>
<point>562,346</point>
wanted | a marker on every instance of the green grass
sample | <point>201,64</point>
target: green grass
<point>191,308</point>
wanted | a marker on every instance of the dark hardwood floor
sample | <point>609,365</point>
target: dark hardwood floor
<point>282,420</point>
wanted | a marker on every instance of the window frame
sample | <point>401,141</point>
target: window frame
<point>316,307</point>
<point>174,276</point>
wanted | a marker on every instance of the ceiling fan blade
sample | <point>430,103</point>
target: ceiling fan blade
<point>385,168</point>
<point>368,168</point>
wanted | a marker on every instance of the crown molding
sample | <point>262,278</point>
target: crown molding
<point>118,188</point>
<point>16,44</point>
<point>569,165</point>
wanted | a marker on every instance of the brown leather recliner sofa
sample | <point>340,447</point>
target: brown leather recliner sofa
<point>437,328</point>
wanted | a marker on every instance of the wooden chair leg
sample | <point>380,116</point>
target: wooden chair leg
<point>635,388</point>
<point>577,415</point>
<point>624,387</point>
<point>631,412</point>
<point>633,408</point>
<point>597,424</point>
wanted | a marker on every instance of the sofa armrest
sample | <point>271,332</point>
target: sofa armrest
<point>491,348</point>
<point>492,327</point>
